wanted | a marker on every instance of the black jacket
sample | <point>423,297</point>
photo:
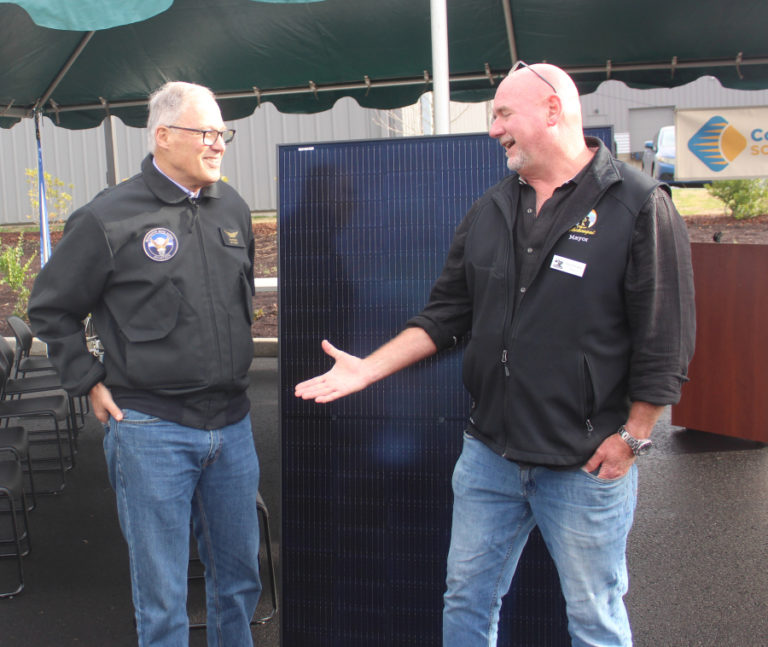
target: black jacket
<point>608,319</point>
<point>169,281</point>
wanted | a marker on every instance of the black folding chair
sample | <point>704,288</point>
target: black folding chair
<point>54,407</point>
<point>26,362</point>
<point>34,385</point>
<point>12,495</point>
<point>17,439</point>
<point>41,365</point>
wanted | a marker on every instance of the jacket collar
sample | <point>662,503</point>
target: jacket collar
<point>601,172</point>
<point>167,191</point>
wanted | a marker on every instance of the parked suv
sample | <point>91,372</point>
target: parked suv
<point>659,155</point>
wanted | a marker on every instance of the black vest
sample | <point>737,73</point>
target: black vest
<point>549,378</point>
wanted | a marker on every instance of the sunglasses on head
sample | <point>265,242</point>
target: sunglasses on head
<point>520,64</point>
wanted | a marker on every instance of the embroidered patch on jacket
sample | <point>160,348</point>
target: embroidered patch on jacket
<point>230,238</point>
<point>585,228</point>
<point>160,244</point>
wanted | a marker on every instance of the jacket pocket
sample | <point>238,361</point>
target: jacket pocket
<point>157,316</point>
<point>240,321</point>
<point>163,348</point>
<point>588,390</point>
<point>246,292</point>
<point>485,381</point>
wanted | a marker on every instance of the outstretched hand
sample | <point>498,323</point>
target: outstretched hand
<point>348,375</point>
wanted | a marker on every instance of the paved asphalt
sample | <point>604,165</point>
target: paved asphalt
<point>697,555</point>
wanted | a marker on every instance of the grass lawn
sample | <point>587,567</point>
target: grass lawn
<point>694,202</point>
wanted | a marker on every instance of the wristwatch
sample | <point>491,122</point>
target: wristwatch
<point>639,446</point>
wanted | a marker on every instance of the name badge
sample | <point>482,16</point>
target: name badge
<point>568,265</point>
<point>231,238</point>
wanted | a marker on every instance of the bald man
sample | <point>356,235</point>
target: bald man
<point>573,275</point>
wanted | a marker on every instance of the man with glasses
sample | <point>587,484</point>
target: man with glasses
<point>164,262</point>
<point>573,275</point>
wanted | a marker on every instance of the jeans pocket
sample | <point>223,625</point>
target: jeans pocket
<point>133,417</point>
<point>593,476</point>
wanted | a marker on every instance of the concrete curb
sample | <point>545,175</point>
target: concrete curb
<point>38,347</point>
<point>265,347</point>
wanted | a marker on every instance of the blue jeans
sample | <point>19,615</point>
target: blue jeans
<point>584,522</point>
<point>165,474</point>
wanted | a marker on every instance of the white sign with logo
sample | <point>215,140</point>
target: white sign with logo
<point>721,144</point>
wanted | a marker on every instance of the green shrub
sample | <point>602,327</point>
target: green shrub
<point>745,198</point>
<point>14,272</point>
<point>57,198</point>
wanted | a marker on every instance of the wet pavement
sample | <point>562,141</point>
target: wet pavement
<point>697,553</point>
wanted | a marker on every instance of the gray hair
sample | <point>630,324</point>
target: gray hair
<point>168,102</point>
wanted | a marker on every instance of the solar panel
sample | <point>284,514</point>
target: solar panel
<point>363,232</point>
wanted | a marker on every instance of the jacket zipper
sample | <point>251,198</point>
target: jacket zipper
<point>207,277</point>
<point>506,329</point>
<point>510,323</point>
<point>511,328</point>
<point>589,397</point>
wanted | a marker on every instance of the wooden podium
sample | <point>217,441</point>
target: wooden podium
<point>728,391</point>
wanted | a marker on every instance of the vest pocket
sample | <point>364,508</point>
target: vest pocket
<point>588,386</point>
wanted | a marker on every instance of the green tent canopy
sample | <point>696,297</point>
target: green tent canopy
<point>79,60</point>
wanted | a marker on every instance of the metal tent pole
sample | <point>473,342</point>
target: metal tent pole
<point>110,146</point>
<point>45,235</point>
<point>440,66</point>
<point>509,24</point>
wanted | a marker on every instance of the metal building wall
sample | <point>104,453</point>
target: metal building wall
<point>16,154</point>
<point>79,157</point>
<point>250,164</point>
<point>74,157</point>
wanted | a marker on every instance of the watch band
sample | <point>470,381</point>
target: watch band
<point>639,446</point>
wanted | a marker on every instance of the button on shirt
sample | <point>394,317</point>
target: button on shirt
<point>532,231</point>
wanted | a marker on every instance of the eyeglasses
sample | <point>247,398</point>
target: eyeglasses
<point>520,64</point>
<point>210,136</point>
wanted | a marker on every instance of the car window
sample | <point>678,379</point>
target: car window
<point>667,137</point>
